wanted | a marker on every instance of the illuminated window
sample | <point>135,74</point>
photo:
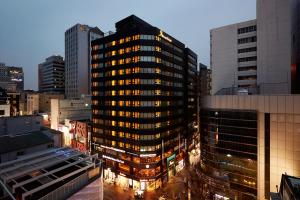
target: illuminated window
<point>121,134</point>
<point>121,144</point>
<point>121,72</point>
<point>121,61</point>
<point>127,125</point>
<point>157,114</point>
<point>113,133</point>
<point>113,143</point>
<point>127,114</point>
<point>158,60</point>
<point>157,49</point>
<point>113,123</point>
<point>121,41</point>
<point>113,103</point>
<point>127,60</point>
<point>157,81</point>
<point>157,71</point>
<point>113,53</point>
<point>128,82</point>
<point>113,62</point>
<point>121,51</point>
<point>121,92</point>
<point>113,93</point>
<point>128,71</point>
<point>113,43</point>
<point>136,37</point>
<point>121,82</point>
<point>157,103</point>
<point>113,72</point>
<point>121,124</point>
<point>128,49</point>
<point>121,103</point>
<point>127,39</point>
<point>113,113</point>
<point>121,113</point>
<point>113,82</point>
<point>157,92</point>
<point>128,92</point>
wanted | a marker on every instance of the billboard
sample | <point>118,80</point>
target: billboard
<point>80,139</point>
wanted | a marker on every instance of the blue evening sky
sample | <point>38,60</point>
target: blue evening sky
<point>31,30</point>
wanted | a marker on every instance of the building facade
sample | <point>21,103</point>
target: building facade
<point>12,78</point>
<point>77,59</point>
<point>52,75</point>
<point>248,142</point>
<point>138,102</point>
<point>32,103</point>
<point>73,109</point>
<point>234,57</point>
<point>259,56</point>
<point>204,80</point>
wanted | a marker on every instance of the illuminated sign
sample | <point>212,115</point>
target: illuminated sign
<point>111,148</point>
<point>113,159</point>
<point>161,34</point>
<point>147,155</point>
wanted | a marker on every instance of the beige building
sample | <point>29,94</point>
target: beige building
<point>45,101</point>
<point>32,103</point>
<point>73,109</point>
<point>278,129</point>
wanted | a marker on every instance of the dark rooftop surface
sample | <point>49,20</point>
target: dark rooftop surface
<point>9,143</point>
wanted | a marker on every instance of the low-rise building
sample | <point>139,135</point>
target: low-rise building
<point>55,173</point>
<point>73,109</point>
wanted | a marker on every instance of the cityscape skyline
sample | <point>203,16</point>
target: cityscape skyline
<point>41,22</point>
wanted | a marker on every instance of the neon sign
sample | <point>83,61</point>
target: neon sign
<point>161,34</point>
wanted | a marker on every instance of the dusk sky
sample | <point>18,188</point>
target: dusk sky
<point>32,30</point>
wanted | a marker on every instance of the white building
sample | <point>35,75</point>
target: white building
<point>77,59</point>
<point>260,55</point>
<point>278,134</point>
<point>73,109</point>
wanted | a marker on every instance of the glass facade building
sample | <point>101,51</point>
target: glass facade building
<point>138,102</point>
<point>229,152</point>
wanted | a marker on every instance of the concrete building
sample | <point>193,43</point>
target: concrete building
<point>52,75</point>
<point>32,103</point>
<point>248,142</point>
<point>73,109</point>
<point>45,101</point>
<point>56,173</point>
<point>259,56</point>
<point>4,104</point>
<point>78,59</point>
<point>204,80</point>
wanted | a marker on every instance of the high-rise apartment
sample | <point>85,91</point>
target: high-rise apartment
<point>11,78</point>
<point>52,75</point>
<point>259,56</point>
<point>140,96</point>
<point>77,59</point>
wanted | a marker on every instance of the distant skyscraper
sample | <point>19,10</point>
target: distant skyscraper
<point>51,75</point>
<point>77,59</point>
<point>262,55</point>
<point>11,78</point>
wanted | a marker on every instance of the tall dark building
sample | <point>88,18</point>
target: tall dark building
<point>139,101</point>
<point>191,98</point>
<point>52,75</point>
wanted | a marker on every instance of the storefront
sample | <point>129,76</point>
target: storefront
<point>109,176</point>
<point>171,166</point>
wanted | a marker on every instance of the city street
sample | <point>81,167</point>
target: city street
<point>176,188</point>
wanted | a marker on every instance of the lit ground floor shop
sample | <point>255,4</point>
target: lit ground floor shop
<point>122,177</point>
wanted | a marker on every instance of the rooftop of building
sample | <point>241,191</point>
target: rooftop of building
<point>10,143</point>
<point>38,174</point>
<point>239,24</point>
